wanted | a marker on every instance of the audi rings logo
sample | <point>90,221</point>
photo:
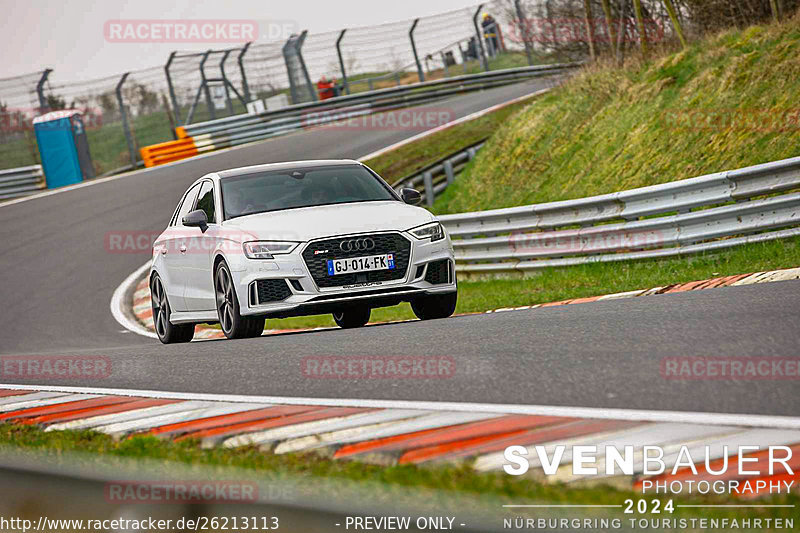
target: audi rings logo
<point>357,245</point>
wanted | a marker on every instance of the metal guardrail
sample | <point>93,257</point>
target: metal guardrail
<point>634,224</point>
<point>22,181</point>
<point>436,176</point>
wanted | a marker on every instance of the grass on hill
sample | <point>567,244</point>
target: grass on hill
<point>727,101</point>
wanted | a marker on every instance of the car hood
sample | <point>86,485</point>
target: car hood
<point>308,223</point>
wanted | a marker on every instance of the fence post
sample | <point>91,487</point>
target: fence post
<point>428,179</point>
<point>444,64</point>
<point>239,59</point>
<point>522,23</point>
<point>479,36</point>
<point>43,106</point>
<point>292,85</point>
<point>420,72</point>
<point>448,170</point>
<point>226,82</point>
<point>212,114</point>
<point>125,126</point>
<point>175,109</point>
<point>299,47</point>
<point>345,85</point>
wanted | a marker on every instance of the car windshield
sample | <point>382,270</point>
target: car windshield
<point>301,187</point>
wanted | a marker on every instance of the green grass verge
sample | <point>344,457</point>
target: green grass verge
<point>460,478</point>
<point>554,284</point>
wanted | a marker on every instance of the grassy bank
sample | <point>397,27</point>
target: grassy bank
<point>726,102</point>
<point>459,478</point>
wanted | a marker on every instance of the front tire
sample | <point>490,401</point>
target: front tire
<point>352,317</point>
<point>435,306</point>
<point>233,324</point>
<point>168,333</point>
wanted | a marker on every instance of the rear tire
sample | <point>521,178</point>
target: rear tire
<point>435,306</point>
<point>168,333</point>
<point>352,317</point>
<point>233,324</point>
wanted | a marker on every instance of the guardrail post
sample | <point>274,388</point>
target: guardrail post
<point>420,72</point>
<point>345,85</point>
<point>240,61</point>
<point>479,36</point>
<point>226,82</point>
<point>175,109</point>
<point>448,171</point>
<point>204,85</point>
<point>43,106</point>
<point>125,126</point>
<point>471,153</point>
<point>522,25</point>
<point>428,179</point>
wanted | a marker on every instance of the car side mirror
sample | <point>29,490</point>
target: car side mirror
<point>411,196</point>
<point>196,219</point>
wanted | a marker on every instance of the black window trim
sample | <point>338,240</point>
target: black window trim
<point>174,221</point>
<point>213,194</point>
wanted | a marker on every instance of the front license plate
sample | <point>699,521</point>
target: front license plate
<point>360,264</point>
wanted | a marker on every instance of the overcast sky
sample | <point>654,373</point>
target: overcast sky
<point>69,35</point>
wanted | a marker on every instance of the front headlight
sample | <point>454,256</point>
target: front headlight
<point>433,231</point>
<point>267,249</point>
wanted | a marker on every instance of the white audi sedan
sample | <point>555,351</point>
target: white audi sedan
<point>292,239</point>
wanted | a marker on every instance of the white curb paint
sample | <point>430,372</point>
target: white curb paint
<point>321,426</point>
<point>43,402</point>
<point>600,413</point>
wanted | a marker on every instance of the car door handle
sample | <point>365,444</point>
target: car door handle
<point>164,251</point>
<point>183,248</point>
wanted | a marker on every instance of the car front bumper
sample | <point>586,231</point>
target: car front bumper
<point>305,297</point>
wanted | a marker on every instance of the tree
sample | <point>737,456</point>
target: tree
<point>612,36</point>
<point>676,23</point>
<point>637,7</point>
<point>589,20</point>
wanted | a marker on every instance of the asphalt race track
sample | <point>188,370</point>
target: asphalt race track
<point>58,280</point>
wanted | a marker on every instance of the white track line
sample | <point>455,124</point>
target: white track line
<point>689,417</point>
<point>119,304</point>
<point>450,124</point>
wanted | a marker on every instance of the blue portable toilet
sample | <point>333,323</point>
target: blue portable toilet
<point>63,148</point>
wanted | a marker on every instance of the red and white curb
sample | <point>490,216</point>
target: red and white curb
<point>403,432</point>
<point>144,314</point>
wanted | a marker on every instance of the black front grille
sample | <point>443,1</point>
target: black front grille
<point>272,290</point>
<point>385,243</point>
<point>438,272</point>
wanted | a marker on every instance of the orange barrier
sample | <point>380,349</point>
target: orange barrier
<point>158,154</point>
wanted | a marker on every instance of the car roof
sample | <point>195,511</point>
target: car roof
<point>288,165</point>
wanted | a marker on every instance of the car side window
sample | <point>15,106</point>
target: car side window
<point>206,201</point>
<point>186,206</point>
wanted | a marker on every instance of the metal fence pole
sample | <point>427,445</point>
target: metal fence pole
<point>175,109</point>
<point>444,64</point>
<point>226,82</point>
<point>292,86</point>
<point>420,72</point>
<point>125,126</point>
<point>479,36</point>
<point>240,61</point>
<point>43,106</point>
<point>212,114</point>
<point>345,85</point>
<point>299,48</point>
